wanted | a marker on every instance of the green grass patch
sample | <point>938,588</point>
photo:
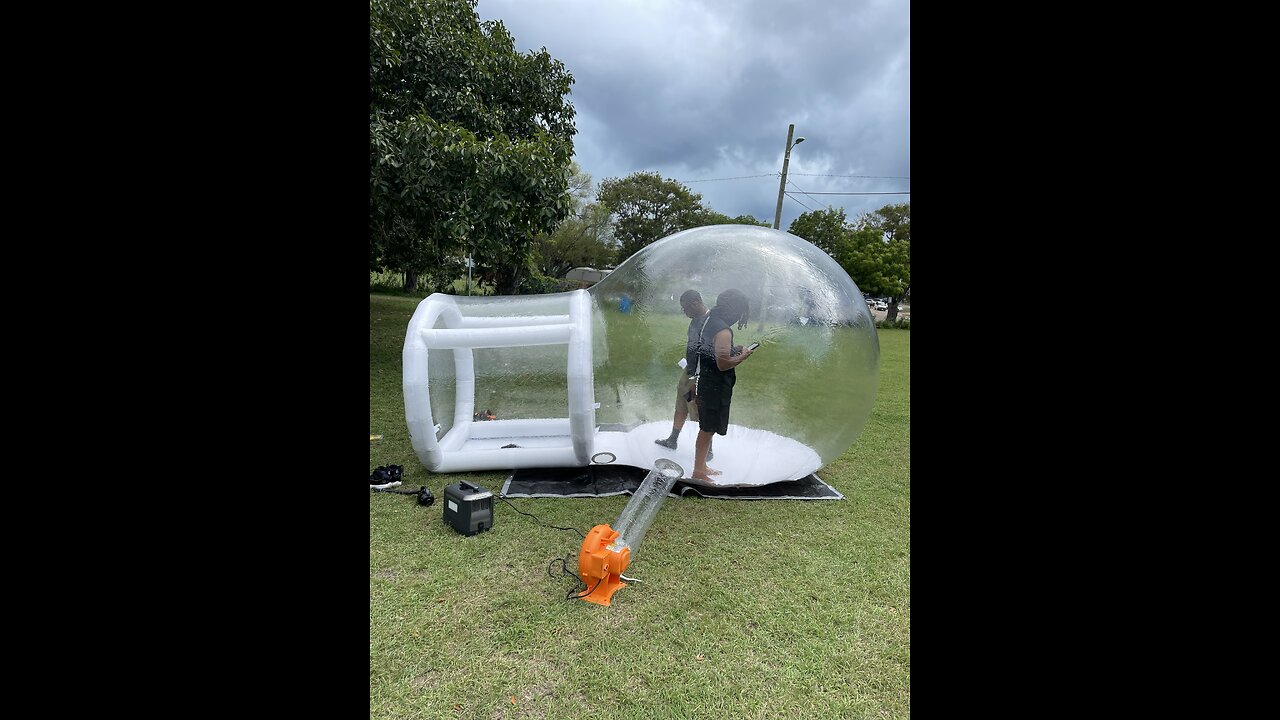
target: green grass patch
<point>767,609</point>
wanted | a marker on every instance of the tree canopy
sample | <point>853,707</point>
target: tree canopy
<point>824,228</point>
<point>712,217</point>
<point>646,208</point>
<point>469,142</point>
<point>875,250</point>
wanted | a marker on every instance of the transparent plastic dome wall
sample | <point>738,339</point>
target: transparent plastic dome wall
<point>590,375</point>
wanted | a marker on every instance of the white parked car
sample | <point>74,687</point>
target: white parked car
<point>882,305</point>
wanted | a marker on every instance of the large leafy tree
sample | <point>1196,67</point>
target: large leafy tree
<point>469,141</point>
<point>893,224</point>
<point>647,208</point>
<point>875,250</point>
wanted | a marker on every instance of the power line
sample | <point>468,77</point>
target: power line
<point>797,200</point>
<point>811,194</point>
<point>880,177</point>
<point>792,183</point>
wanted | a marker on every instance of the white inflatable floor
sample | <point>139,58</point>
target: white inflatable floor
<point>745,456</point>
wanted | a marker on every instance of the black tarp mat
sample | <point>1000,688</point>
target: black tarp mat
<point>604,480</point>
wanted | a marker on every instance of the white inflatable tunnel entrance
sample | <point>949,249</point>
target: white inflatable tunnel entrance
<point>464,325</point>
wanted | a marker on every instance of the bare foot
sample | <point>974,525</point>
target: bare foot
<point>713,471</point>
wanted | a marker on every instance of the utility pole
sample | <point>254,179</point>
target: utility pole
<point>782,185</point>
<point>777,213</point>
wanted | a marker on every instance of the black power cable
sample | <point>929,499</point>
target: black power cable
<point>504,499</point>
<point>564,570</point>
<point>564,561</point>
<point>426,498</point>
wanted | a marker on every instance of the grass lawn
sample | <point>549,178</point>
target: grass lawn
<point>765,609</point>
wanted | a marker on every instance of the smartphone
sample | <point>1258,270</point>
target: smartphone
<point>753,346</point>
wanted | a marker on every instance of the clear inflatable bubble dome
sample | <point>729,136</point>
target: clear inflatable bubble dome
<point>590,376</point>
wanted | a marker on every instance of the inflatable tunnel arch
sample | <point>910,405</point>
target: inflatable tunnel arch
<point>462,326</point>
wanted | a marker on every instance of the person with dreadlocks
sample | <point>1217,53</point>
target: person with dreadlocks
<point>715,375</point>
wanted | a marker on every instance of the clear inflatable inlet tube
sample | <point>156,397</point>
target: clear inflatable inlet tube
<point>637,516</point>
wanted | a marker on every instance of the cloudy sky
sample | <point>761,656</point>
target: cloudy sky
<point>702,90</point>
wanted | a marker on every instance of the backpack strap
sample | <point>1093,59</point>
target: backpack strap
<point>698,370</point>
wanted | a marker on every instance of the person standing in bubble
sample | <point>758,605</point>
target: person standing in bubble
<point>715,375</point>
<point>686,403</point>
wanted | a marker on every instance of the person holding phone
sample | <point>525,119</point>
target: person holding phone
<point>686,404</point>
<point>715,374</point>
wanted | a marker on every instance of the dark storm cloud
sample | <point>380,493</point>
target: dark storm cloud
<point>704,90</point>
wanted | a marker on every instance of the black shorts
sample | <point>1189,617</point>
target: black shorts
<point>715,393</point>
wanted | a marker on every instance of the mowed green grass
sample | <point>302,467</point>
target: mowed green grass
<point>761,609</point>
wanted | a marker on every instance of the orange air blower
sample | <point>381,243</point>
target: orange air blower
<point>601,562</point>
<point>606,552</point>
